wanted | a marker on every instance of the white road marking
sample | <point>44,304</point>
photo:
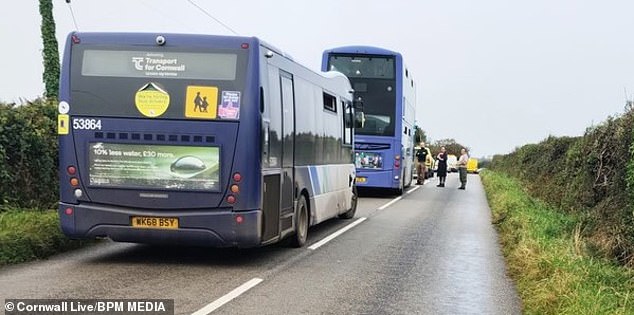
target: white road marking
<point>412,190</point>
<point>390,203</point>
<point>228,297</point>
<point>339,232</point>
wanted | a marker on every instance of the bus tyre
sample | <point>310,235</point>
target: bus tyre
<point>353,209</point>
<point>301,224</point>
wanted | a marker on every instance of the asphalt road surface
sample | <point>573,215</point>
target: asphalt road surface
<point>432,251</point>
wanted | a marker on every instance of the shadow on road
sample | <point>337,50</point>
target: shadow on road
<point>206,256</point>
<point>371,192</point>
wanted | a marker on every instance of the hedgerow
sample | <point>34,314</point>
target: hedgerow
<point>591,176</point>
<point>28,151</point>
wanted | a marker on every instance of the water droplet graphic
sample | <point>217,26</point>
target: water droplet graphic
<point>188,165</point>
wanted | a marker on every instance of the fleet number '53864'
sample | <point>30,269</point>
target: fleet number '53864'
<point>86,124</point>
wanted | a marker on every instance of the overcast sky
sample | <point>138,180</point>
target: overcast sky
<point>493,74</point>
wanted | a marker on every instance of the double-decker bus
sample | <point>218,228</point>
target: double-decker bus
<point>198,139</point>
<point>384,88</point>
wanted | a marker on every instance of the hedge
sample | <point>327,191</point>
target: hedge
<point>591,176</point>
<point>28,150</point>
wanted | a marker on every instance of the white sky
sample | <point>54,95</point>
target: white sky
<point>493,74</point>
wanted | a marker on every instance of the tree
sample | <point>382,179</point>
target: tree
<point>452,146</point>
<point>50,51</point>
<point>419,135</point>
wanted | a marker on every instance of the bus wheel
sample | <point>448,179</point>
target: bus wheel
<point>301,224</point>
<point>353,209</point>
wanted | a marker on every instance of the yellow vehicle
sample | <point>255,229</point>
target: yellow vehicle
<point>472,165</point>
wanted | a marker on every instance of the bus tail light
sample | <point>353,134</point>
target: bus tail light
<point>397,161</point>
<point>71,170</point>
<point>244,46</point>
<point>69,211</point>
<point>75,39</point>
<point>231,199</point>
<point>74,182</point>
<point>235,189</point>
<point>237,177</point>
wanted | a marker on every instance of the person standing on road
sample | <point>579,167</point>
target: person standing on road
<point>441,159</point>
<point>462,168</point>
<point>421,168</point>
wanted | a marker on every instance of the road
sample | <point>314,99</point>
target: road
<point>433,251</point>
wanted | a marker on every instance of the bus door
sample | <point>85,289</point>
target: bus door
<point>287,206</point>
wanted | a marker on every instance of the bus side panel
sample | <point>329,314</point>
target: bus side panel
<point>330,188</point>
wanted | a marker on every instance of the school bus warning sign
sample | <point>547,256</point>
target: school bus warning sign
<point>201,102</point>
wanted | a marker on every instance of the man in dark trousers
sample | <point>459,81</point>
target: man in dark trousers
<point>462,168</point>
<point>421,168</point>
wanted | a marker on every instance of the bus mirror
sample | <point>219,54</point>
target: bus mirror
<point>359,119</point>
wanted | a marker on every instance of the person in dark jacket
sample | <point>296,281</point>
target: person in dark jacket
<point>422,155</point>
<point>442,167</point>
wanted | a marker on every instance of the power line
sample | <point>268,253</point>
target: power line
<point>212,17</point>
<point>72,14</point>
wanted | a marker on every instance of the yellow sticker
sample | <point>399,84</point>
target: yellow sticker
<point>152,100</point>
<point>201,102</point>
<point>63,126</point>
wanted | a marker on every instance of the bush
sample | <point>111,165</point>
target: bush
<point>586,176</point>
<point>28,149</point>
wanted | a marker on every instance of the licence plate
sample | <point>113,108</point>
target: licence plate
<point>361,179</point>
<point>155,222</point>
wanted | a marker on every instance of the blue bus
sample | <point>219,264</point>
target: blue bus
<point>198,139</point>
<point>384,88</point>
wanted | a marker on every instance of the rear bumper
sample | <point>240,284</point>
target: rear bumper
<point>213,227</point>
<point>378,179</point>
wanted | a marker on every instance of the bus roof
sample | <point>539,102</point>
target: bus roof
<point>370,50</point>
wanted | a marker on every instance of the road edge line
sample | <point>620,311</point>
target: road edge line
<point>412,190</point>
<point>337,233</point>
<point>393,201</point>
<point>207,309</point>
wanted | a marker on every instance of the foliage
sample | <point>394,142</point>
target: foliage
<point>587,176</point>
<point>50,51</point>
<point>548,258</point>
<point>419,135</point>
<point>26,235</point>
<point>452,146</point>
<point>28,149</point>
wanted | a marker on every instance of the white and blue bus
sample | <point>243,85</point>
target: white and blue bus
<point>196,139</point>
<point>385,89</point>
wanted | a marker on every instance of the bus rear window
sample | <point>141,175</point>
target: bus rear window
<point>158,82</point>
<point>142,64</point>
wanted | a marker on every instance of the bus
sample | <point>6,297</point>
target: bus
<point>220,141</point>
<point>385,90</point>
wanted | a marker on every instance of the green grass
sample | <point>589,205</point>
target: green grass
<point>27,235</point>
<point>547,256</point>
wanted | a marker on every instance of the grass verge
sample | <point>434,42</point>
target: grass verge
<point>546,256</point>
<point>27,235</point>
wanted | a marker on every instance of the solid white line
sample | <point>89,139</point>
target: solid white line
<point>333,235</point>
<point>412,190</point>
<point>228,297</point>
<point>390,203</point>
